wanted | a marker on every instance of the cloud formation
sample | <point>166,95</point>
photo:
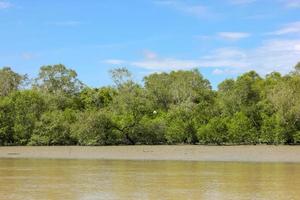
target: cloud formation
<point>114,61</point>
<point>196,10</point>
<point>241,2</point>
<point>5,4</point>
<point>233,36</point>
<point>291,3</point>
<point>271,55</point>
<point>290,28</point>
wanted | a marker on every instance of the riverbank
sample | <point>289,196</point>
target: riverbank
<point>258,153</point>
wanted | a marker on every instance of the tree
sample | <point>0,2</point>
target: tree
<point>215,132</point>
<point>297,67</point>
<point>181,124</point>
<point>176,87</point>
<point>241,130</point>
<point>58,79</point>
<point>28,106</point>
<point>150,130</point>
<point>97,98</point>
<point>120,76</point>
<point>129,107</point>
<point>54,128</point>
<point>10,81</point>
<point>272,131</point>
<point>6,122</point>
<point>285,97</point>
<point>95,128</point>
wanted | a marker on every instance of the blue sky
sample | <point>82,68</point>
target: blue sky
<point>221,38</point>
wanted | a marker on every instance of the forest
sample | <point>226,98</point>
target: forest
<point>178,107</point>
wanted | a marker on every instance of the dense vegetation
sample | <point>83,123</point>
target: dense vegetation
<point>169,108</point>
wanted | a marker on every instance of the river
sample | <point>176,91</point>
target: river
<point>55,179</point>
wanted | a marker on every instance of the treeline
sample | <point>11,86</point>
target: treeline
<point>169,108</point>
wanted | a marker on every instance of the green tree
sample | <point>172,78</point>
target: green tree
<point>28,106</point>
<point>272,131</point>
<point>241,130</point>
<point>58,79</point>
<point>285,97</point>
<point>151,130</point>
<point>297,67</point>
<point>54,128</point>
<point>181,125</point>
<point>95,128</point>
<point>129,107</point>
<point>10,81</point>
<point>215,132</point>
<point>176,87</point>
<point>6,122</point>
<point>94,98</point>
<point>120,76</point>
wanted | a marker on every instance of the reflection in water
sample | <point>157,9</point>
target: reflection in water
<point>26,179</point>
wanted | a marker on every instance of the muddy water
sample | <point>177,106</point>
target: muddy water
<point>30,179</point>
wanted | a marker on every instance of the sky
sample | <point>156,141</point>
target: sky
<point>222,38</point>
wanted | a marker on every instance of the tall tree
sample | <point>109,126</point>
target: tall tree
<point>58,79</point>
<point>9,81</point>
<point>166,89</point>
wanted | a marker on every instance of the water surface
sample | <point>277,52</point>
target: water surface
<point>29,179</point>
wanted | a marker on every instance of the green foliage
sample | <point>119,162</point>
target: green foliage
<point>272,131</point>
<point>97,98</point>
<point>181,125</point>
<point>215,132</point>
<point>58,79</point>
<point>9,81</point>
<point>54,128</point>
<point>176,87</point>
<point>6,122</point>
<point>296,137</point>
<point>129,107</point>
<point>28,106</point>
<point>95,128</point>
<point>241,130</point>
<point>179,107</point>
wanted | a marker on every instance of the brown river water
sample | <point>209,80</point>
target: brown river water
<point>39,179</point>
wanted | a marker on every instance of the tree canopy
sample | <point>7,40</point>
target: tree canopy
<point>179,107</point>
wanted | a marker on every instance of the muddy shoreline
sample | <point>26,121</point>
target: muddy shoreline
<point>258,153</point>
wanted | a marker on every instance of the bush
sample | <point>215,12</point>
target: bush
<point>28,107</point>
<point>241,130</point>
<point>296,137</point>
<point>6,122</point>
<point>54,128</point>
<point>271,130</point>
<point>215,132</point>
<point>95,128</point>
<point>181,125</point>
<point>150,131</point>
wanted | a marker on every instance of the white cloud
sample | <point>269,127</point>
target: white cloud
<point>224,71</point>
<point>290,28</point>
<point>114,61</point>
<point>233,36</point>
<point>218,71</point>
<point>165,64</point>
<point>149,54</point>
<point>27,56</point>
<point>291,3</point>
<point>241,2</point>
<point>197,10</point>
<point>5,4</point>
<point>276,55</point>
<point>271,55</point>
<point>219,58</point>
